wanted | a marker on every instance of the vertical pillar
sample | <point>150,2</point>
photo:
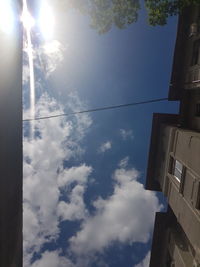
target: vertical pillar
<point>11,144</point>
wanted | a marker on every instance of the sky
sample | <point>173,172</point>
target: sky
<point>83,190</point>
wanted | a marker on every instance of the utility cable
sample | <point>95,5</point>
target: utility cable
<point>97,109</point>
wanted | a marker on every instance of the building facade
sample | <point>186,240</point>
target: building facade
<point>174,169</point>
<point>174,156</point>
<point>171,246</point>
<point>185,71</point>
<point>185,78</point>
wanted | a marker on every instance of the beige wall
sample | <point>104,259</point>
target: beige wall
<point>183,197</point>
<point>179,248</point>
<point>164,144</point>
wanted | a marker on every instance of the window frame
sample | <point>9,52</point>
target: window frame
<point>197,202</point>
<point>179,181</point>
<point>195,59</point>
<point>178,170</point>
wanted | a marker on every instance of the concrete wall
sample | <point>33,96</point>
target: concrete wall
<point>164,147</point>
<point>170,244</point>
<point>184,197</point>
<point>179,247</point>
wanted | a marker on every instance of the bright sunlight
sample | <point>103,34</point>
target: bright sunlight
<point>46,20</point>
<point>6,16</point>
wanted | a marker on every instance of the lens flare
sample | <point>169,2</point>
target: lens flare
<point>46,20</point>
<point>27,20</point>
<point>6,16</point>
<point>28,23</point>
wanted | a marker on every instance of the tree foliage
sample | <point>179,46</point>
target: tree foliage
<point>160,10</point>
<point>106,13</point>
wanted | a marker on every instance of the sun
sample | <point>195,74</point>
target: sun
<point>46,20</point>
<point>26,18</point>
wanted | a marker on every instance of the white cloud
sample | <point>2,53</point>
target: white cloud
<point>78,174</point>
<point>75,209</point>
<point>126,216</point>
<point>46,57</point>
<point>45,177</point>
<point>50,55</point>
<point>145,262</point>
<point>105,146</point>
<point>124,162</point>
<point>126,134</point>
<point>52,259</point>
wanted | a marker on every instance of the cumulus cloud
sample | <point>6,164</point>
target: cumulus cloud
<point>46,178</point>
<point>78,174</point>
<point>105,146</point>
<point>52,259</point>
<point>126,216</point>
<point>145,262</point>
<point>126,134</point>
<point>74,209</point>
<point>129,210</point>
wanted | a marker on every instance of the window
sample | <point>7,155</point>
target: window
<point>195,53</point>
<point>197,206</point>
<point>193,29</point>
<point>197,112</point>
<point>178,170</point>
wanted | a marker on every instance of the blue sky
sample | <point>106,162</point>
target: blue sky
<point>84,200</point>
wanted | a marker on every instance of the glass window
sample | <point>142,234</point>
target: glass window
<point>178,170</point>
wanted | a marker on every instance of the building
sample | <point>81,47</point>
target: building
<point>174,169</point>
<point>185,79</point>
<point>185,70</point>
<point>171,246</point>
<point>11,145</point>
<point>174,156</point>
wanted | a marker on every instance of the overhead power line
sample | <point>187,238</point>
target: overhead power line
<point>97,109</point>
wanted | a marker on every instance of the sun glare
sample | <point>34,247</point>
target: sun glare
<point>6,16</point>
<point>46,20</point>
<point>27,20</point>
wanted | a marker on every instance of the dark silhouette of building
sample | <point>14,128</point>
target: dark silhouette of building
<point>11,145</point>
<point>174,156</point>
